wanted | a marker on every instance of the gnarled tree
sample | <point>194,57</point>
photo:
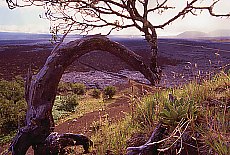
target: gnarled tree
<point>41,92</point>
<point>87,15</point>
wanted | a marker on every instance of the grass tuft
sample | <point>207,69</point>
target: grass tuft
<point>197,111</point>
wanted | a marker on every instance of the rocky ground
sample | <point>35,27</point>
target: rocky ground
<point>107,69</point>
<point>180,60</point>
<point>178,66</point>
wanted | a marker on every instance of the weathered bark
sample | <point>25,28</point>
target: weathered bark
<point>148,149</point>
<point>151,38</point>
<point>41,92</point>
<point>55,143</point>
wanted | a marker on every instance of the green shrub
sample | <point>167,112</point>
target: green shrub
<point>64,87</point>
<point>12,105</point>
<point>96,93</point>
<point>68,103</point>
<point>78,88</point>
<point>11,90</point>
<point>109,92</point>
<point>176,110</point>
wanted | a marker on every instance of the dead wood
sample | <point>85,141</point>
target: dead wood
<point>147,149</point>
<point>41,92</point>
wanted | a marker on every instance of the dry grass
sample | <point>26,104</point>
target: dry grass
<point>208,119</point>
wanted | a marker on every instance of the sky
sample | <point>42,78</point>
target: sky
<point>27,20</point>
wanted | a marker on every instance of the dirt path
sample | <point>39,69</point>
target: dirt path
<point>82,125</point>
<point>114,111</point>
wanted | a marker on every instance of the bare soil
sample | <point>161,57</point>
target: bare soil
<point>16,59</point>
<point>114,112</point>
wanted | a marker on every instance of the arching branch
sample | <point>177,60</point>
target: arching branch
<point>88,15</point>
<point>41,92</point>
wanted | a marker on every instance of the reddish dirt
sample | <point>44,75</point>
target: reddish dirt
<point>115,111</point>
<point>16,59</point>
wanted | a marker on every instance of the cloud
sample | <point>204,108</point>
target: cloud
<point>3,3</point>
<point>22,19</point>
<point>30,28</point>
<point>27,20</point>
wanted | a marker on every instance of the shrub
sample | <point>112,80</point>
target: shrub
<point>11,95</point>
<point>109,92</point>
<point>11,90</point>
<point>68,103</point>
<point>64,87</point>
<point>96,93</point>
<point>78,88</point>
<point>174,111</point>
<point>145,111</point>
<point>11,117</point>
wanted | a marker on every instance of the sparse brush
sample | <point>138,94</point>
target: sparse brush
<point>145,113</point>
<point>78,88</point>
<point>64,87</point>
<point>109,92</point>
<point>11,95</point>
<point>12,107</point>
<point>218,145</point>
<point>96,93</point>
<point>200,114</point>
<point>175,111</point>
<point>214,142</point>
<point>111,138</point>
<point>68,103</point>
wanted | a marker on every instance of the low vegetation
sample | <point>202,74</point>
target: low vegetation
<point>12,107</point>
<point>76,88</point>
<point>68,103</point>
<point>196,117</point>
<point>109,92</point>
<point>96,93</point>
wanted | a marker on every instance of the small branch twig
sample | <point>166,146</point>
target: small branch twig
<point>62,39</point>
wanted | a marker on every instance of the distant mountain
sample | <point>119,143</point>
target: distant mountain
<point>192,34</point>
<point>198,34</point>
<point>219,33</point>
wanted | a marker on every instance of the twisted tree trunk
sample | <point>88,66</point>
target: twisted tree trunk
<point>151,38</point>
<point>41,92</point>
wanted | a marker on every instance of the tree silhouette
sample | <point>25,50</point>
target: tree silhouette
<point>87,15</point>
<point>40,93</point>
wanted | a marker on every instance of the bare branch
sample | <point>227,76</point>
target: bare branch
<point>161,6</point>
<point>189,9</point>
<point>186,10</point>
<point>210,10</point>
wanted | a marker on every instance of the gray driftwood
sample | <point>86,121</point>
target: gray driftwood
<point>41,91</point>
<point>148,149</point>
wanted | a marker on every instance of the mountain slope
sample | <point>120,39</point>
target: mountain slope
<point>219,33</point>
<point>192,34</point>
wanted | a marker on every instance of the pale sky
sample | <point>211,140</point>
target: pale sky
<point>27,20</point>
